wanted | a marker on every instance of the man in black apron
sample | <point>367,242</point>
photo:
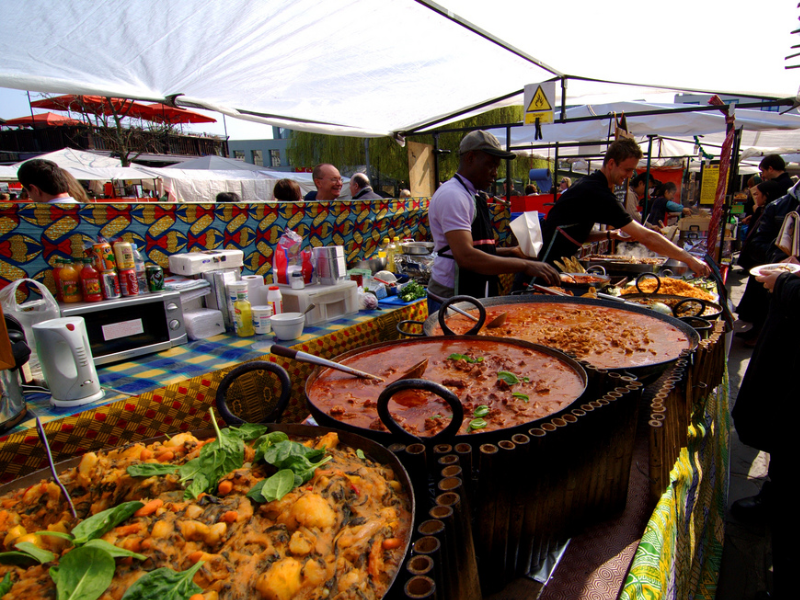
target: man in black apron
<point>469,260</point>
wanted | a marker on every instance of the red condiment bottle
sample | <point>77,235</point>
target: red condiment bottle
<point>90,282</point>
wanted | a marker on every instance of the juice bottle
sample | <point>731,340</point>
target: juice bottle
<point>70,283</point>
<point>395,250</point>
<point>90,282</point>
<point>59,264</point>
<point>383,251</point>
<point>243,314</point>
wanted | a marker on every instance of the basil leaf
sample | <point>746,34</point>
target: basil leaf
<point>198,486</point>
<point>40,554</point>
<point>165,584</point>
<point>59,534</point>
<point>273,488</point>
<point>6,585</point>
<point>151,469</point>
<point>84,574</point>
<point>248,431</point>
<point>477,424</point>
<point>509,378</point>
<point>466,358</point>
<point>360,454</point>
<point>16,558</point>
<point>524,397</point>
<point>481,411</point>
<point>114,551</point>
<point>103,522</point>
<point>265,441</point>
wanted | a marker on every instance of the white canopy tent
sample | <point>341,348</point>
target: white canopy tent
<point>284,62</point>
<point>212,162</point>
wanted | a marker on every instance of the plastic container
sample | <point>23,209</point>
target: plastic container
<point>203,323</point>
<point>275,299</point>
<point>296,280</point>
<point>261,322</point>
<point>141,270</point>
<point>123,251</point>
<point>332,301</point>
<point>242,311</point>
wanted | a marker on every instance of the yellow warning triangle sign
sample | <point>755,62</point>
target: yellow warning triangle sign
<point>539,102</point>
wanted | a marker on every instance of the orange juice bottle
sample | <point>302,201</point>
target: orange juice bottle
<point>70,278</point>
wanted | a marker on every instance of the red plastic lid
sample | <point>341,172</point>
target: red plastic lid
<point>274,287</point>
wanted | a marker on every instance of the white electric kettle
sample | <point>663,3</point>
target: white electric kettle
<point>66,359</point>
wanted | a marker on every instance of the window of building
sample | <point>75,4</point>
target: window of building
<point>275,157</point>
<point>238,154</point>
<point>258,158</point>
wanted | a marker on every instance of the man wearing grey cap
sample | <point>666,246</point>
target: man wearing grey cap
<point>468,260</point>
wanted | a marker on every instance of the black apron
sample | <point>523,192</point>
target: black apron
<point>469,282</point>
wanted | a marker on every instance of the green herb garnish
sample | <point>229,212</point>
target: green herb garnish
<point>456,356</point>
<point>296,464</point>
<point>481,411</point>
<point>360,454</point>
<point>508,377</point>
<point>6,585</point>
<point>412,291</point>
<point>477,424</point>
<point>521,396</point>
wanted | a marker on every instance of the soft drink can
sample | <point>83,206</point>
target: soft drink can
<point>109,283</point>
<point>155,278</point>
<point>103,257</point>
<point>128,282</point>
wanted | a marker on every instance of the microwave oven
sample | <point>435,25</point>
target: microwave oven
<point>126,327</point>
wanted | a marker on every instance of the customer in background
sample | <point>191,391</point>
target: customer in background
<point>564,184</point>
<point>286,190</point>
<point>531,189</point>
<point>228,197</point>
<point>405,194</point>
<point>773,168</point>
<point>763,415</point>
<point>45,181</point>
<point>664,207</point>
<point>75,189</point>
<point>360,188</point>
<point>328,181</point>
<point>636,188</point>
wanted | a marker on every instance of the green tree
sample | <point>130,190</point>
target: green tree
<point>391,159</point>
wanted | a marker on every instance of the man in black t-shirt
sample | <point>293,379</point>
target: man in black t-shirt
<point>569,223</point>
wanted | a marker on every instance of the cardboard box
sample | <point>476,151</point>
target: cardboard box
<point>694,223</point>
<point>332,301</point>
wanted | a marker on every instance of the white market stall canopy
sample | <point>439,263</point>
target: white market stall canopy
<point>351,67</point>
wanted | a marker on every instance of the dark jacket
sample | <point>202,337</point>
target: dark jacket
<point>769,226</point>
<point>366,193</point>
<point>784,180</point>
<point>765,407</point>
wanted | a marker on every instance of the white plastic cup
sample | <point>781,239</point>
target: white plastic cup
<point>261,322</point>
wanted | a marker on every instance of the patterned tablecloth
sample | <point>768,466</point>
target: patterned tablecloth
<point>172,390</point>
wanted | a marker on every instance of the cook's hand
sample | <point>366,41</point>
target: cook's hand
<point>698,267</point>
<point>769,279</point>
<point>543,271</point>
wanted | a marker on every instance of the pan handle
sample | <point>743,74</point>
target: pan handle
<point>597,269</point>
<point>443,311</point>
<point>443,436</point>
<point>401,331</point>
<point>645,276</point>
<point>689,301</point>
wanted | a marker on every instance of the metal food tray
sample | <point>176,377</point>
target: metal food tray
<point>612,266</point>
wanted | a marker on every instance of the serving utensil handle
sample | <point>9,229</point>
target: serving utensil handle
<point>317,360</point>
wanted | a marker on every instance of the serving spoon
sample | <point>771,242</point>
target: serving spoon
<point>498,321</point>
<point>413,373</point>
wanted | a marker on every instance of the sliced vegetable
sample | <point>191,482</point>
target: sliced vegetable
<point>98,525</point>
<point>83,574</point>
<point>360,454</point>
<point>165,584</point>
<point>477,424</point>
<point>481,411</point>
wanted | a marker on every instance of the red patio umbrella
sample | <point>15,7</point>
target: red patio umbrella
<point>160,113</point>
<point>93,105</point>
<point>43,119</point>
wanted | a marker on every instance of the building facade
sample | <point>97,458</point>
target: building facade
<point>270,154</point>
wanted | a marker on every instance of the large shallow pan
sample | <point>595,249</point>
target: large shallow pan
<point>429,326</point>
<point>449,434</point>
<point>371,449</point>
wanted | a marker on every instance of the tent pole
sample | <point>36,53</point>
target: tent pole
<point>366,154</point>
<point>646,210</point>
<point>737,136</point>
<point>555,174</point>
<point>435,161</point>
<point>563,99</point>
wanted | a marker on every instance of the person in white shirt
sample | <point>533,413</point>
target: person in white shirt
<point>45,181</point>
